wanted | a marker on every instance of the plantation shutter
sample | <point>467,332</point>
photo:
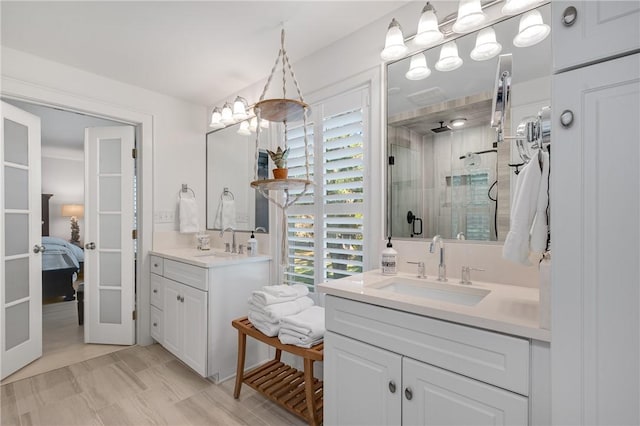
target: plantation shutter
<point>326,226</point>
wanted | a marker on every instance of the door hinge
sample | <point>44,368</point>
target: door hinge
<point>134,153</point>
<point>133,315</point>
<point>134,234</point>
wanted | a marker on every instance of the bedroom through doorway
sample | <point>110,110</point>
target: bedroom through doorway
<point>63,195</point>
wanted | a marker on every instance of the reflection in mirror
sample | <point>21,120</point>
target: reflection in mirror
<point>447,174</point>
<point>231,202</point>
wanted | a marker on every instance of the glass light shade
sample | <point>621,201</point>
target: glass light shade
<point>72,210</point>
<point>515,7</point>
<point>394,47</point>
<point>216,119</point>
<point>240,109</point>
<point>253,124</point>
<point>449,59</point>
<point>428,32</point>
<point>486,45</point>
<point>227,114</point>
<point>470,16</point>
<point>418,69</point>
<point>244,129</point>
<point>532,30</point>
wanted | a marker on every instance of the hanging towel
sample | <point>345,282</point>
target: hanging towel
<point>309,322</point>
<point>277,311</point>
<point>225,215</point>
<point>540,228</point>
<point>188,215</point>
<point>261,297</point>
<point>523,208</point>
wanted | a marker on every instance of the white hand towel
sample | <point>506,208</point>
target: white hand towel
<point>280,290</point>
<point>277,311</point>
<point>309,322</point>
<point>261,297</point>
<point>225,215</point>
<point>523,208</point>
<point>264,327</point>
<point>289,338</point>
<point>540,228</point>
<point>188,215</point>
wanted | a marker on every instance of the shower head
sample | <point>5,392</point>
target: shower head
<point>442,128</point>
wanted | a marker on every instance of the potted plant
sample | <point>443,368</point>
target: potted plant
<point>279,158</point>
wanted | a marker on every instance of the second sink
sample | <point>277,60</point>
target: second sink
<point>450,293</point>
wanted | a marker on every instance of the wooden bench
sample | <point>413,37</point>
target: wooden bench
<point>299,392</point>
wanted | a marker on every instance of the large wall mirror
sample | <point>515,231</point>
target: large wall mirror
<point>457,181</point>
<point>231,159</point>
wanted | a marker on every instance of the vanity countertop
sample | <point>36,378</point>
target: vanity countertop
<point>506,309</point>
<point>207,258</point>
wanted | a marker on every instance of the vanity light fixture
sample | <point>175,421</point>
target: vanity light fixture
<point>418,69</point>
<point>458,122</point>
<point>216,119</point>
<point>227,114</point>
<point>394,47</point>
<point>515,7</point>
<point>449,59</point>
<point>244,129</point>
<point>486,45</point>
<point>240,109</point>
<point>532,30</point>
<point>253,124</point>
<point>428,32</point>
<point>470,16</point>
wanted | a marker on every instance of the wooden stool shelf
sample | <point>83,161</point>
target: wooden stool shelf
<point>297,391</point>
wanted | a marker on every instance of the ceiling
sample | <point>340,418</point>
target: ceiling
<point>198,51</point>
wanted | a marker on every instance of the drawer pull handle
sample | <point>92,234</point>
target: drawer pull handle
<point>392,386</point>
<point>155,265</point>
<point>155,290</point>
<point>178,298</point>
<point>155,324</point>
<point>408,393</point>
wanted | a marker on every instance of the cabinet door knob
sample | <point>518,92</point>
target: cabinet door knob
<point>155,324</point>
<point>155,265</point>
<point>569,16</point>
<point>408,393</point>
<point>178,298</point>
<point>392,386</point>
<point>566,118</point>
<point>155,290</point>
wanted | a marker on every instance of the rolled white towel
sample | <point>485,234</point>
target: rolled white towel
<point>289,337</point>
<point>277,311</point>
<point>309,322</point>
<point>262,297</point>
<point>265,327</point>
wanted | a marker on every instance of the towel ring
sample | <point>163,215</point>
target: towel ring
<point>184,190</point>
<point>227,193</point>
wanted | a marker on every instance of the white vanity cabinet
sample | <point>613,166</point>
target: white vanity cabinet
<point>192,308</point>
<point>588,31</point>
<point>384,366</point>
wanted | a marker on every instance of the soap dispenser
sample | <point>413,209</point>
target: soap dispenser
<point>389,260</point>
<point>252,245</point>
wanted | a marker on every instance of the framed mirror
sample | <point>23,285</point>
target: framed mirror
<point>231,158</point>
<point>446,173</point>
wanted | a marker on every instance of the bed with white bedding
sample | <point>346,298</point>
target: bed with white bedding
<point>61,262</point>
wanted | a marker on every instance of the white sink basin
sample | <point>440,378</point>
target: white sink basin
<point>216,254</point>
<point>451,293</point>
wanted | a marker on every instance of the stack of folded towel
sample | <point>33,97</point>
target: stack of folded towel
<point>268,306</point>
<point>304,329</point>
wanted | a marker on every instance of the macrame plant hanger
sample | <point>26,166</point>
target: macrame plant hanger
<point>282,110</point>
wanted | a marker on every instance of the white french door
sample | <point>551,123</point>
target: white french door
<point>109,246</point>
<point>20,225</point>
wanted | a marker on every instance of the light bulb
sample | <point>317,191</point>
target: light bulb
<point>216,119</point>
<point>418,68</point>
<point>428,32</point>
<point>244,129</point>
<point>239,109</point>
<point>449,59</point>
<point>532,30</point>
<point>486,45</point>
<point>470,16</point>
<point>227,114</point>
<point>394,47</point>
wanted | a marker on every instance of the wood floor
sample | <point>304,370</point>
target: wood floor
<point>78,384</point>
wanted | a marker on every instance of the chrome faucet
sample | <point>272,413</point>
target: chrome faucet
<point>233,238</point>
<point>442,268</point>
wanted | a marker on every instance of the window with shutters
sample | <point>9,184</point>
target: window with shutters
<point>326,226</point>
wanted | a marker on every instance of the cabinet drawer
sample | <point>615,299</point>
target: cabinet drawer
<point>193,276</point>
<point>490,357</point>
<point>157,291</point>
<point>157,329</point>
<point>157,265</point>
